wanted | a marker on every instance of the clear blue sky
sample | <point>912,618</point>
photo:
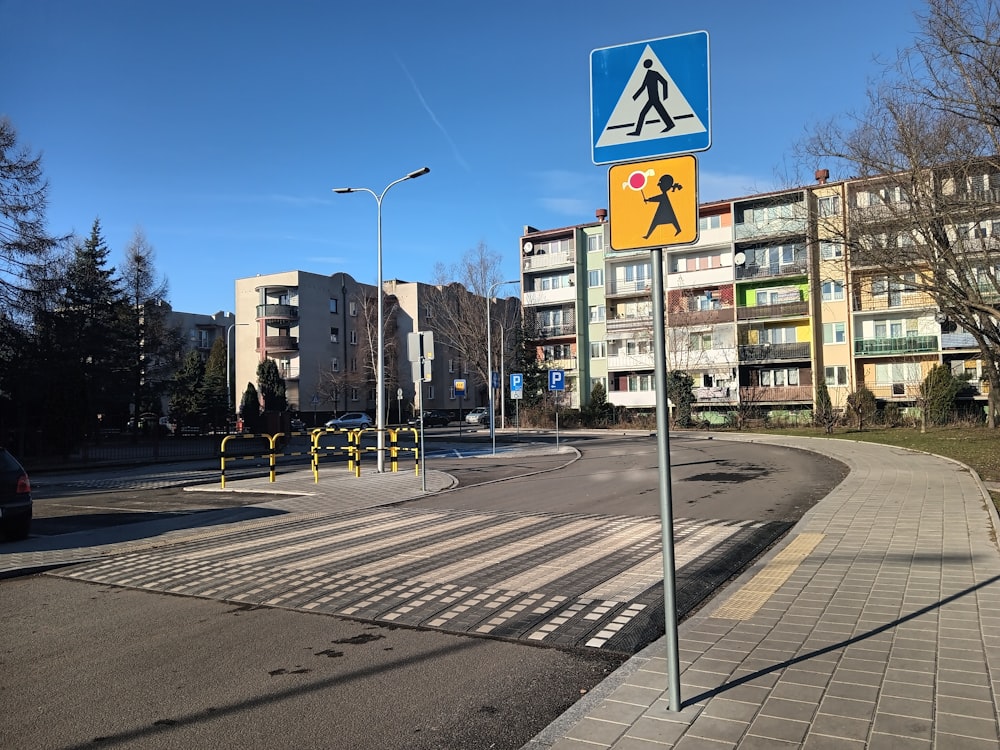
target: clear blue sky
<point>220,127</point>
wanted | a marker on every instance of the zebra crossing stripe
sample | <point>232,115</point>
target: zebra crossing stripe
<point>447,546</point>
<point>327,538</point>
<point>475,563</point>
<point>556,568</point>
<point>386,543</point>
<point>227,550</point>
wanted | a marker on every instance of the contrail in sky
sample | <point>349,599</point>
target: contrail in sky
<point>434,119</point>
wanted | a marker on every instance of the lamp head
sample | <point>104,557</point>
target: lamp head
<point>344,190</point>
<point>418,173</point>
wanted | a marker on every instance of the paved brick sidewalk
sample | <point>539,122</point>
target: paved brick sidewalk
<point>874,624</point>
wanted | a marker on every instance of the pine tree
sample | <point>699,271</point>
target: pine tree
<point>214,396</point>
<point>187,404</point>
<point>272,386</point>
<point>87,335</point>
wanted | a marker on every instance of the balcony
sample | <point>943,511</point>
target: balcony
<point>888,346</point>
<point>633,399</point>
<point>278,312</point>
<point>680,318</point>
<point>562,329</point>
<point>635,323</point>
<point>641,288</point>
<point>780,226</point>
<point>547,260</point>
<point>773,352</point>
<point>630,362</point>
<point>891,301</point>
<point>958,341</point>
<point>549,296</point>
<point>278,344</point>
<point>569,363</point>
<point>787,310</point>
<point>714,395</point>
<point>772,270</point>
<point>289,373</point>
<point>782,394</point>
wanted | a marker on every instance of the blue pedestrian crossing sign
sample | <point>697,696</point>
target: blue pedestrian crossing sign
<point>557,380</point>
<point>650,99</point>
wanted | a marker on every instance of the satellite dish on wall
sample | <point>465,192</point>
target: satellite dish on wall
<point>527,248</point>
<point>740,259</point>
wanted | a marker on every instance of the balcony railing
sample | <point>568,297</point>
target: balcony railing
<point>284,312</point>
<point>891,301</point>
<point>630,362</point>
<point>549,296</point>
<point>780,226</point>
<point>563,329</point>
<point>636,323</point>
<point>548,260</point>
<point>714,395</point>
<point>902,345</point>
<point>278,343</point>
<point>771,352</point>
<point>958,341</point>
<point>679,318</point>
<point>787,310</point>
<point>642,287</point>
<point>753,271</point>
<point>776,394</point>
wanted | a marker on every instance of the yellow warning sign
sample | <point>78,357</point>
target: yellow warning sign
<point>653,203</point>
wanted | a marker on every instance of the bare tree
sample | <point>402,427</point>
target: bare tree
<point>459,304</point>
<point>926,150</point>
<point>368,340</point>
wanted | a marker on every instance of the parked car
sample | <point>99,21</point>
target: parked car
<point>479,415</point>
<point>352,420</point>
<point>15,497</point>
<point>298,425</point>
<point>432,418</point>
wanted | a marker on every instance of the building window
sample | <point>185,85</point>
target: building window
<point>829,250</point>
<point>354,394</point>
<point>430,393</point>
<point>701,342</point>
<point>709,222</point>
<point>898,372</point>
<point>828,205</point>
<point>452,393</point>
<point>335,365</point>
<point>835,375</point>
<point>451,365</point>
<point>333,305</point>
<point>352,309</point>
<point>597,313</point>
<point>354,337</point>
<point>638,383</point>
<point>778,378</point>
<point>603,382</point>
<point>595,278</point>
<point>598,350</point>
<point>354,365</point>
<point>833,291</point>
<point>595,243</point>
<point>834,333</point>
<point>334,335</point>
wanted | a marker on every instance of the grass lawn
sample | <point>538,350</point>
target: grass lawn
<point>977,447</point>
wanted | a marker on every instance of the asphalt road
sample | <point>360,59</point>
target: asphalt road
<point>112,667</point>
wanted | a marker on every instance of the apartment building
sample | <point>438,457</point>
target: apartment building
<point>764,306</point>
<point>321,331</point>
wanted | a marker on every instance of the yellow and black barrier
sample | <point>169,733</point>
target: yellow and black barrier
<point>271,454</point>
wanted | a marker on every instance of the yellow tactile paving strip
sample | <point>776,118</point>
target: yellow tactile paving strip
<point>745,603</point>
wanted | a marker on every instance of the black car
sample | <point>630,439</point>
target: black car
<point>433,418</point>
<point>15,497</point>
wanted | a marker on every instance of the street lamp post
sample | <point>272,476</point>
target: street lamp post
<point>489,358</point>
<point>380,334</point>
<point>229,357</point>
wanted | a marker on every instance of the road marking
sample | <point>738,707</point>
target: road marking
<point>745,603</point>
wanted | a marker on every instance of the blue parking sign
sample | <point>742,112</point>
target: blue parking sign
<point>557,380</point>
<point>516,381</point>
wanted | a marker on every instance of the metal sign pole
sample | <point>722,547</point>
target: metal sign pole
<point>666,502</point>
